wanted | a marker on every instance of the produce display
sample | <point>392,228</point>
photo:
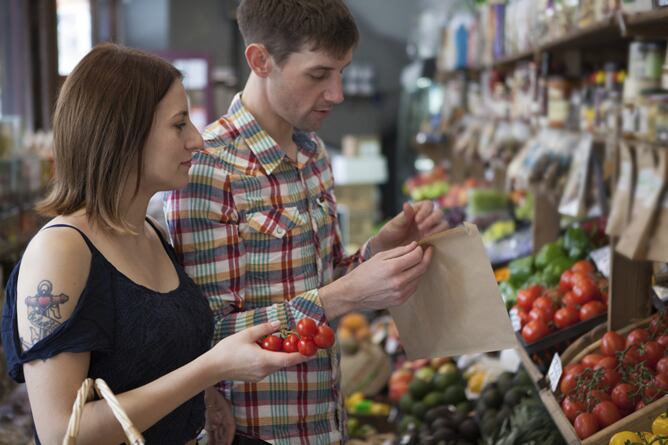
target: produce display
<point>622,376</point>
<point>658,435</point>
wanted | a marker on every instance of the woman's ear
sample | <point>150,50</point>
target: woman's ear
<point>259,60</point>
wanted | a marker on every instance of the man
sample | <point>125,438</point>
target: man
<point>256,227</point>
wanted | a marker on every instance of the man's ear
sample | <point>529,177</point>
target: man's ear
<point>259,60</point>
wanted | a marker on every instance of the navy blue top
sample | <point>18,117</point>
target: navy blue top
<point>134,335</point>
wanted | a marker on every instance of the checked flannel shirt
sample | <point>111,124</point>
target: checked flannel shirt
<point>258,233</point>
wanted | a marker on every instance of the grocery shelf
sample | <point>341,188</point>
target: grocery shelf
<point>648,24</point>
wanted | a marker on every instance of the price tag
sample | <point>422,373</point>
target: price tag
<point>601,257</point>
<point>554,373</point>
<point>515,320</point>
<point>661,292</point>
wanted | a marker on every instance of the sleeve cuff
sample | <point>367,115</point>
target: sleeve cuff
<point>309,305</point>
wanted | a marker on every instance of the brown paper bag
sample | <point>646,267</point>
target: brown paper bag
<point>457,308</point>
<point>657,249</point>
<point>650,182</point>
<point>622,202</point>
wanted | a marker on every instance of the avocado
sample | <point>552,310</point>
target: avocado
<point>492,398</point>
<point>468,429</point>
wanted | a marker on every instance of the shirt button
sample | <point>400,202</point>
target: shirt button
<point>280,231</point>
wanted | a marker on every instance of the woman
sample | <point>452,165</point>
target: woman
<point>98,292</point>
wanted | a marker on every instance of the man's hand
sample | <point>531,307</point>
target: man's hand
<point>414,223</point>
<point>219,423</point>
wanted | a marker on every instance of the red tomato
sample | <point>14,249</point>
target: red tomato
<point>658,325</point>
<point>539,314</point>
<point>527,296</point>
<point>586,425</point>
<point>611,343</point>
<point>584,291</point>
<point>583,266</point>
<point>290,343</point>
<point>606,363</point>
<point>606,413</point>
<point>591,310</point>
<point>632,356</point>
<point>661,382</point>
<point>324,338</point>
<point>621,396</point>
<point>650,353</point>
<point>662,366</point>
<point>611,378</point>
<point>534,331</point>
<point>306,327</point>
<point>663,341</point>
<point>307,347</point>
<point>636,337</point>
<point>651,392</point>
<point>572,408</point>
<point>569,301</point>
<point>546,304</point>
<point>568,383</point>
<point>566,316</point>
<point>590,360</point>
<point>576,368</point>
<point>598,396</point>
<point>566,281</point>
<point>272,343</point>
<point>640,405</point>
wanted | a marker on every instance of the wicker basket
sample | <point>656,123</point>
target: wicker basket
<point>84,395</point>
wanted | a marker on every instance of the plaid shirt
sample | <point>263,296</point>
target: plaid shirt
<point>258,233</point>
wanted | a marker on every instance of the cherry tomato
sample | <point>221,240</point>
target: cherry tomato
<point>632,355</point>
<point>546,304</point>
<point>663,340</point>
<point>651,392</point>
<point>662,366</point>
<point>586,425</point>
<point>591,309</point>
<point>324,338</point>
<point>658,325</point>
<point>566,281</point>
<point>534,331</point>
<point>572,408</point>
<point>272,343</point>
<point>290,343</point>
<point>584,290</point>
<point>527,296</point>
<point>306,327</point>
<point>598,396</point>
<point>640,405</point>
<point>576,368</point>
<point>661,382</point>
<point>539,314</point>
<point>568,383</point>
<point>583,266</point>
<point>569,301</point>
<point>307,347</point>
<point>621,396</point>
<point>650,353</point>
<point>611,343</point>
<point>636,337</point>
<point>606,413</point>
<point>611,378</point>
<point>566,316</point>
<point>590,360</point>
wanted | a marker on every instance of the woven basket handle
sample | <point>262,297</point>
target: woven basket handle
<point>84,395</point>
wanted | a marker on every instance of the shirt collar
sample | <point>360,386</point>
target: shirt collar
<point>263,146</point>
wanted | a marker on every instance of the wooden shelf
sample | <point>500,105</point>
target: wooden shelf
<point>648,24</point>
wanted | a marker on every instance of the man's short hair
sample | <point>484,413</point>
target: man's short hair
<point>286,26</point>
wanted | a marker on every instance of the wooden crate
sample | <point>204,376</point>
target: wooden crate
<point>638,421</point>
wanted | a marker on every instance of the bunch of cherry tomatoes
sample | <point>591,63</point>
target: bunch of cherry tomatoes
<point>622,376</point>
<point>581,295</point>
<point>308,338</point>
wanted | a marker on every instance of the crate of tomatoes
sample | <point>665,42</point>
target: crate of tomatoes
<point>617,382</point>
<point>549,318</point>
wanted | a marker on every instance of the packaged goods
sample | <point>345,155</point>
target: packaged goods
<point>622,203</point>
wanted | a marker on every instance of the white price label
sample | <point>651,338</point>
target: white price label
<point>661,292</point>
<point>515,320</point>
<point>601,257</point>
<point>554,373</point>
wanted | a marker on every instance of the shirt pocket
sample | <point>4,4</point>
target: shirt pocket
<point>275,222</point>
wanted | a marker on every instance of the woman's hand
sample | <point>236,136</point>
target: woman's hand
<point>239,357</point>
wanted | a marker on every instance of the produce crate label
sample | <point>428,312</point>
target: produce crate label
<point>601,257</point>
<point>554,373</point>
<point>515,320</point>
<point>661,292</point>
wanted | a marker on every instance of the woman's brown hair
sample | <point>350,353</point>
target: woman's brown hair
<point>103,116</point>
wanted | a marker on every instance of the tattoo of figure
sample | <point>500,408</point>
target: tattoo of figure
<point>43,312</point>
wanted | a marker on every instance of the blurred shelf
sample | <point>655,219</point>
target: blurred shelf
<point>648,24</point>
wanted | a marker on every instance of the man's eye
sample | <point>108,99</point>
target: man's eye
<point>180,125</point>
<point>317,76</point>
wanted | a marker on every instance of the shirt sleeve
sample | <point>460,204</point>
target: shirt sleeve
<point>204,226</point>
